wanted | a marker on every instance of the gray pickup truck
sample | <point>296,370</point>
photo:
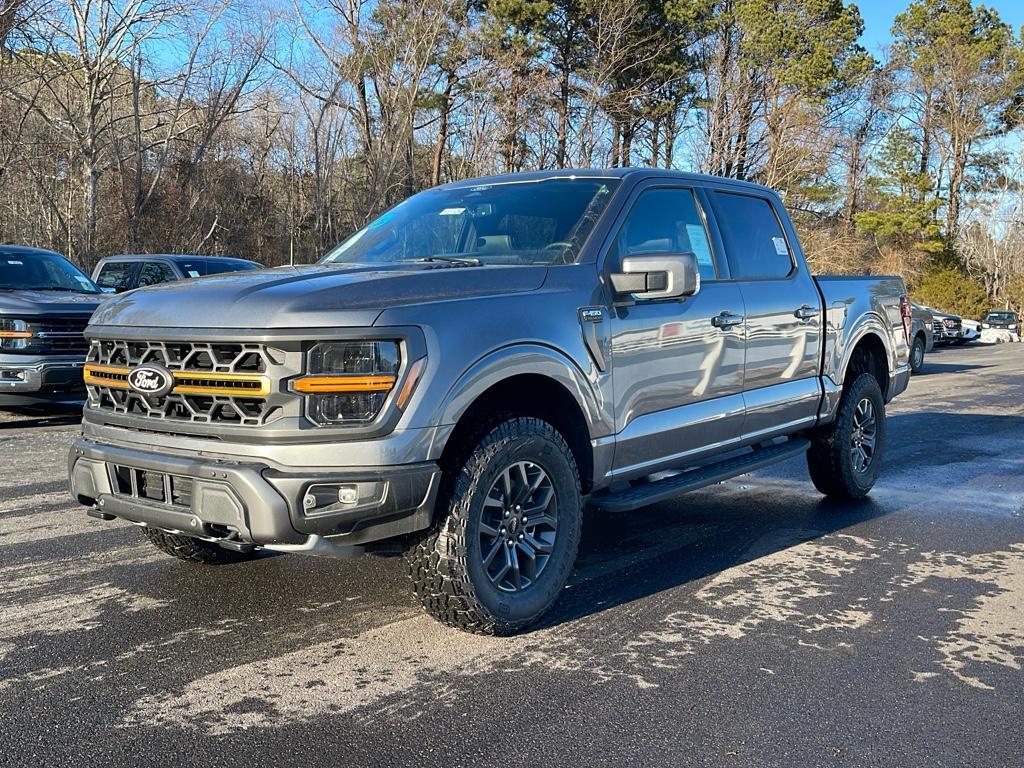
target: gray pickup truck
<point>461,376</point>
<point>45,304</point>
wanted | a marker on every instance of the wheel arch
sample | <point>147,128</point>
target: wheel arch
<point>868,354</point>
<point>526,381</point>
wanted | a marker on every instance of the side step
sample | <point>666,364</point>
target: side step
<point>639,496</point>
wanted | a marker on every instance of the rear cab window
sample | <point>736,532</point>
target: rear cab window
<point>755,242</point>
<point>218,266</point>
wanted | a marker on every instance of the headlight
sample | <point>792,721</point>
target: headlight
<point>14,334</point>
<point>347,382</point>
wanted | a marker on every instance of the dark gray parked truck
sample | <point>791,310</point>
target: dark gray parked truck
<point>45,304</point>
<point>460,377</point>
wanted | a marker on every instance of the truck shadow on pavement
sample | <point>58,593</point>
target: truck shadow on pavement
<point>48,416</point>
<point>933,368</point>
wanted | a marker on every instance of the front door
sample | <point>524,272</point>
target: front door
<point>677,364</point>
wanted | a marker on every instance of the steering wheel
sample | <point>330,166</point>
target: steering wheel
<point>559,245</point>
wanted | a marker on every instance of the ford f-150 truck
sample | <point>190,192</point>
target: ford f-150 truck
<point>45,304</point>
<point>458,378</point>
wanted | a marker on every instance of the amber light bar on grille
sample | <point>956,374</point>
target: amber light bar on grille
<point>342,383</point>
<point>185,382</point>
<point>15,334</point>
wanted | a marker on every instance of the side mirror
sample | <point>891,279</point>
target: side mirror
<point>650,276</point>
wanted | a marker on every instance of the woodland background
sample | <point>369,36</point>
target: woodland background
<point>272,130</point>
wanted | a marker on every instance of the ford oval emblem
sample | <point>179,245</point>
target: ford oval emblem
<point>151,380</point>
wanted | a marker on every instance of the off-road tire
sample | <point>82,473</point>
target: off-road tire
<point>829,459</point>
<point>445,564</point>
<point>917,355</point>
<point>193,550</point>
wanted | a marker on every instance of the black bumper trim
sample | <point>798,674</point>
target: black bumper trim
<point>262,504</point>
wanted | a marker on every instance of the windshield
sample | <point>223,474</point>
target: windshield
<point>1001,317</point>
<point>43,272</point>
<point>538,222</point>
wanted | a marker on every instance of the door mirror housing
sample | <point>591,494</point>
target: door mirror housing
<point>650,276</point>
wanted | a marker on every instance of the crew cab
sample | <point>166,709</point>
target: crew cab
<point>45,304</point>
<point>126,271</point>
<point>461,376</point>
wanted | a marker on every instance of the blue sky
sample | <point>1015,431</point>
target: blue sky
<point>879,14</point>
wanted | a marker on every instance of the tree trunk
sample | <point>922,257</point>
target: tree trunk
<point>563,115</point>
<point>442,132</point>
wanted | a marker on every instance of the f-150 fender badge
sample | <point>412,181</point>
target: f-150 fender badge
<point>151,380</point>
<point>593,335</point>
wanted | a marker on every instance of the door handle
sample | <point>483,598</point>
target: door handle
<point>726,320</point>
<point>806,312</point>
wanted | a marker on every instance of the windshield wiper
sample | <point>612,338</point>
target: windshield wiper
<point>52,288</point>
<point>469,262</point>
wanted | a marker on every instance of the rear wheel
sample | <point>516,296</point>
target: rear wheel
<point>193,550</point>
<point>508,531</point>
<point>844,462</point>
<point>916,354</point>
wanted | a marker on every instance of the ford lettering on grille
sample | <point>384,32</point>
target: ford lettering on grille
<point>151,380</point>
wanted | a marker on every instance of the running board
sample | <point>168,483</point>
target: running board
<point>639,496</point>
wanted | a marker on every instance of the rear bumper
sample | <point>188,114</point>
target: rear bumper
<point>898,382</point>
<point>250,502</point>
<point>40,378</point>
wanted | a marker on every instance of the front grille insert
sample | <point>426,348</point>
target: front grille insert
<point>214,383</point>
<point>149,485</point>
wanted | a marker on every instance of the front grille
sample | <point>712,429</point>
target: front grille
<point>214,383</point>
<point>56,335</point>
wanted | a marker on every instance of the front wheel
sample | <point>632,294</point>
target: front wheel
<point>844,461</point>
<point>509,528</point>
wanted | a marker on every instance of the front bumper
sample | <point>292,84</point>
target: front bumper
<point>40,377</point>
<point>251,503</point>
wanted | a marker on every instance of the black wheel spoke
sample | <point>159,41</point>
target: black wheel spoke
<point>498,545</point>
<point>519,517</point>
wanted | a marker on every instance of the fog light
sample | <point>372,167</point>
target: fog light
<point>348,494</point>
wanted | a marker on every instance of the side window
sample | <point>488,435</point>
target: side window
<point>665,220</point>
<point>116,275</point>
<point>154,272</point>
<point>753,237</point>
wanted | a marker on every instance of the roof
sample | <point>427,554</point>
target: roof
<point>617,173</point>
<point>26,250</point>
<point>173,257</point>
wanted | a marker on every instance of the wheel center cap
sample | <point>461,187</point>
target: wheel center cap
<point>513,524</point>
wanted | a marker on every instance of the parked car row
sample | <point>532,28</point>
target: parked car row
<point>46,302</point>
<point>932,328</point>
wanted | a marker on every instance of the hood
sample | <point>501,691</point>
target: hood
<point>18,302</point>
<point>336,295</point>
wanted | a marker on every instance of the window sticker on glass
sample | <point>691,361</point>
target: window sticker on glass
<point>452,211</point>
<point>15,263</point>
<point>780,246</point>
<point>193,273</point>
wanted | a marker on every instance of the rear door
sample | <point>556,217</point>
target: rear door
<point>677,364</point>
<point>783,312</point>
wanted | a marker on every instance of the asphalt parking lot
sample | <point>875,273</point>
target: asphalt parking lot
<point>748,625</point>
